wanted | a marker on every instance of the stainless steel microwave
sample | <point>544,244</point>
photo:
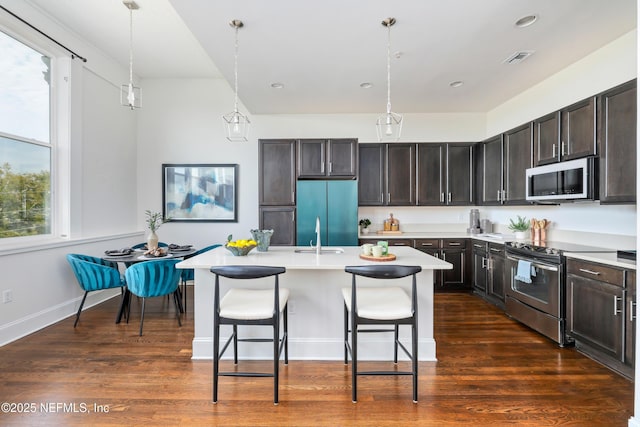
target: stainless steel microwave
<point>564,181</point>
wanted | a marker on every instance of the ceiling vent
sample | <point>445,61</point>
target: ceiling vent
<point>518,57</point>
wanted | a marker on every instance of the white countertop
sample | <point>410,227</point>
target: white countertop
<point>609,258</point>
<point>286,257</point>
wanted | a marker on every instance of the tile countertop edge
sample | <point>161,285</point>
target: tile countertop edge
<point>608,258</point>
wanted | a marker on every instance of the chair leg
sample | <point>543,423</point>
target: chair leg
<point>395,342</point>
<point>216,358</point>
<point>142,315</point>
<point>285,319</point>
<point>276,359</point>
<point>354,359</point>
<point>184,296</point>
<point>346,333</point>
<point>235,344</point>
<point>414,360</point>
<point>176,302</point>
<point>80,308</point>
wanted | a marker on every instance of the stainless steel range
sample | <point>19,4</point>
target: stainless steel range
<point>535,295</point>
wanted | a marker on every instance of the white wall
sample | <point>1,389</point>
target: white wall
<point>102,161</point>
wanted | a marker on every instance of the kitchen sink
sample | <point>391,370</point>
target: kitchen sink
<point>322,251</point>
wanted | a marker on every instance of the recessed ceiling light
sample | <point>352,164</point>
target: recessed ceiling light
<point>277,85</point>
<point>366,85</point>
<point>525,21</point>
<point>457,83</point>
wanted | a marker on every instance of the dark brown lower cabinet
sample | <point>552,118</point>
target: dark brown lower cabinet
<point>601,313</point>
<point>282,220</point>
<point>453,251</point>
<point>488,271</point>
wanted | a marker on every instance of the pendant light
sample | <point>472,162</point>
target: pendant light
<point>389,125</point>
<point>236,124</point>
<point>130,94</point>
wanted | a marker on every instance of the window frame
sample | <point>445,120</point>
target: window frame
<point>59,139</point>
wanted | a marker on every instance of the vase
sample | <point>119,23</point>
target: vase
<point>520,235</point>
<point>364,230</point>
<point>262,238</point>
<point>152,240</point>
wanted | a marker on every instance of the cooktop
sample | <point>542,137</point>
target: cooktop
<point>554,248</point>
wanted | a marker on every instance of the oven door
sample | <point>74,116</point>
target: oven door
<point>543,293</point>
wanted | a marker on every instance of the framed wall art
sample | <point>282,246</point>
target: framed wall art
<point>200,192</point>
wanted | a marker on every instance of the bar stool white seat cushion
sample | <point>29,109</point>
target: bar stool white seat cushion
<point>251,304</point>
<point>380,303</point>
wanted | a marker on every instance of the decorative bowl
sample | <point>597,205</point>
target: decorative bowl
<point>239,251</point>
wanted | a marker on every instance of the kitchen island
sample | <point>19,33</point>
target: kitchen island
<point>315,302</point>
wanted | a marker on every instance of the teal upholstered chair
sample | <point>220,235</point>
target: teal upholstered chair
<point>154,279</point>
<point>94,274</point>
<point>187,274</point>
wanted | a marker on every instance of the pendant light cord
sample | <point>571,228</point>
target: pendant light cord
<point>235,72</point>
<point>131,47</point>
<point>388,68</point>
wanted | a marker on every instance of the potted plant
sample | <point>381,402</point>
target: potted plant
<point>364,223</point>
<point>154,221</point>
<point>519,227</point>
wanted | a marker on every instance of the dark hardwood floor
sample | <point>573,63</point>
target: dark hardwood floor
<point>490,371</point>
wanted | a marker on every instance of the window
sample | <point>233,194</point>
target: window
<point>25,143</point>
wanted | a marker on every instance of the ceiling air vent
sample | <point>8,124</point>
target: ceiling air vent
<point>518,57</point>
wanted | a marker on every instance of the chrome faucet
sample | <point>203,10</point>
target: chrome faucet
<point>318,245</point>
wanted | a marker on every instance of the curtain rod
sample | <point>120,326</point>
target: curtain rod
<point>73,54</point>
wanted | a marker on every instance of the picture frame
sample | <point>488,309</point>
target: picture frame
<point>200,192</point>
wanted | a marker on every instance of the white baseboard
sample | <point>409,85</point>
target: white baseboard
<point>36,321</point>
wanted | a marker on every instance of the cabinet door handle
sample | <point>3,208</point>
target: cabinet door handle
<point>330,167</point>
<point>484,263</point>
<point>398,244</point>
<point>454,243</point>
<point>595,273</point>
<point>388,197</point>
<point>449,198</point>
<point>477,245</point>
<point>495,250</point>
<point>615,305</point>
<point>322,167</point>
<point>441,197</point>
<point>562,153</point>
<point>632,314</point>
<point>498,195</point>
<point>444,256</point>
<point>504,195</point>
<point>553,150</point>
<point>426,244</point>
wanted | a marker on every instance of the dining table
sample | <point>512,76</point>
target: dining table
<point>128,256</point>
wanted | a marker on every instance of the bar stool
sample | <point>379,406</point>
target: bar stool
<point>381,306</point>
<point>249,307</point>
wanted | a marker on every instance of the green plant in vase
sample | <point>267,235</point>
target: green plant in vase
<point>519,226</point>
<point>364,224</point>
<point>154,221</point>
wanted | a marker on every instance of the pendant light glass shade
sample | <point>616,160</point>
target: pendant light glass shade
<point>389,125</point>
<point>236,124</point>
<point>130,95</point>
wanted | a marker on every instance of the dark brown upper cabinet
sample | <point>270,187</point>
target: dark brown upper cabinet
<point>444,174</point>
<point>401,174</point>
<point>579,130</point>
<point>546,139</point>
<point>387,174</point>
<point>277,171</point>
<point>491,170</point>
<point>517,158</point>
<point>617,141</point>
<point>327,158</point>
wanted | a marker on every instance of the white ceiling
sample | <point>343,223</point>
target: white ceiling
<point>322,51</point>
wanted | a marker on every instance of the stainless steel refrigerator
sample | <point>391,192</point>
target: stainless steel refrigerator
<point>336,203</point>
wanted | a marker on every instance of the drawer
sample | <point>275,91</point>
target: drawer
<point>479,245</point>
<point>602,273</point>
<point>400,242</point>
<point>496,249</point>
<point>426,244</point>
<point>454,243</point>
